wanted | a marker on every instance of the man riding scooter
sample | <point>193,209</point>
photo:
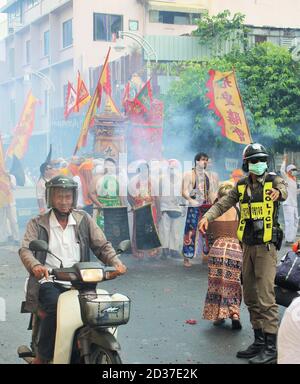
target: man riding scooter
<point>70,234</point>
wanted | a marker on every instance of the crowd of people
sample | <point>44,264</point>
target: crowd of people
<point>233,225</point>
<point>99,187</point>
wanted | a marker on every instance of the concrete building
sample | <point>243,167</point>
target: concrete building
<point>47,41</point>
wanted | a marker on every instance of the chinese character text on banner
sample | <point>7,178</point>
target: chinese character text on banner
<point>225,101</point>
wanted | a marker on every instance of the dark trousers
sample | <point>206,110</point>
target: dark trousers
<point>48,297</point>
<point>259,269</point>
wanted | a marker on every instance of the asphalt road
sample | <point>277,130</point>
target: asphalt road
<point>163,295</point>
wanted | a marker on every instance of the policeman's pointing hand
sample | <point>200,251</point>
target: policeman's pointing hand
<point>274,194</point>
<point>203,225</point>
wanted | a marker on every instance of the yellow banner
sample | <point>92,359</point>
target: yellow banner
<point>23,130</point>
<point>227,103</point>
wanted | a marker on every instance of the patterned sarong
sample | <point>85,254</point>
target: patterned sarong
<point>193,240</point>
<point>224,292</point>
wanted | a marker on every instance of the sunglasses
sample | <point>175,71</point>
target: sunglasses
<point>257,160</point>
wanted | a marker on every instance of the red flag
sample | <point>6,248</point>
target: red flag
<point>96,101</point>
<point>104,81</point>
<point>147,132</point>
<point>70,100</point>
<point>83,95</point>
<point>126,95</point>
<point>24,128</point>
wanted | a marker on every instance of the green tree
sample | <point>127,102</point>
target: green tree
<point>269,81</point>
<point>216,31</point>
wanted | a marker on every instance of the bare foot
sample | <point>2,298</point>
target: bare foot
<point>187,263</point>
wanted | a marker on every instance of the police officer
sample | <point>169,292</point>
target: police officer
<point>258,195</point>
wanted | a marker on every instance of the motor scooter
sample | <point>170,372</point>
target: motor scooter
<point>87,317</point>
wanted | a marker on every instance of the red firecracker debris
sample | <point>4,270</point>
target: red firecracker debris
<point>191,321</point>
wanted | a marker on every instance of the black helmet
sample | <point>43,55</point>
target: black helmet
<point>251,151</point>
<point>254,150</point>
<point>61,182</point>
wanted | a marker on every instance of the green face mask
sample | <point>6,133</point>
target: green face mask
<point>258,168</point>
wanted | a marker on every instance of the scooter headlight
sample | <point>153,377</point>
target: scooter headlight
<point>92,275</point>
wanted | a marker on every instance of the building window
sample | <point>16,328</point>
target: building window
<point>133,25</point>
<point>106,26</point>
<point>14,18</point>
<point>27,52</point>
<point>260,39</point>
<point>32,3</point>
<point>168,17</point>
<point>67,33</point>
<point>46,43</point>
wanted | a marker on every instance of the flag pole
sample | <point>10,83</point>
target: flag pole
<point>91,108</point>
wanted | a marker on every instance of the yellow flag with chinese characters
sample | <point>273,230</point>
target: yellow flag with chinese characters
<point>23,130</point>
<point>226,102</point>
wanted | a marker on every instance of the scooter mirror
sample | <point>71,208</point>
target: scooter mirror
<point>38,245</point>
<point>124,246</point>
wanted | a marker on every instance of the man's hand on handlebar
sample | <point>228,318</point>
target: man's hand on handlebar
<point>40,271</point>
<point>120,270</point>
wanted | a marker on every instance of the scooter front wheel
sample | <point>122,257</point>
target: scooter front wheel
<point>100,355</point>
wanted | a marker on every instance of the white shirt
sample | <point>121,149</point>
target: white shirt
<point>80,202</point>
<point>63,243</point>
<point>291,188</point>
<point>13,184</point>
<point>289,335</point>
<point>41,191</point>
<point>172,200</point>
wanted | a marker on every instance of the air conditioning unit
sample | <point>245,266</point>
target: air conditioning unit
<point>296,49</point>
<point>15,26</point>
<point>288,33</point>
<point>287,42</point>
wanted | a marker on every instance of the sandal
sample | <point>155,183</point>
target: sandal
<point>235,322</point>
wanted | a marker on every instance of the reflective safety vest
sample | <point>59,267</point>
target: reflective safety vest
<point>262,210</point>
